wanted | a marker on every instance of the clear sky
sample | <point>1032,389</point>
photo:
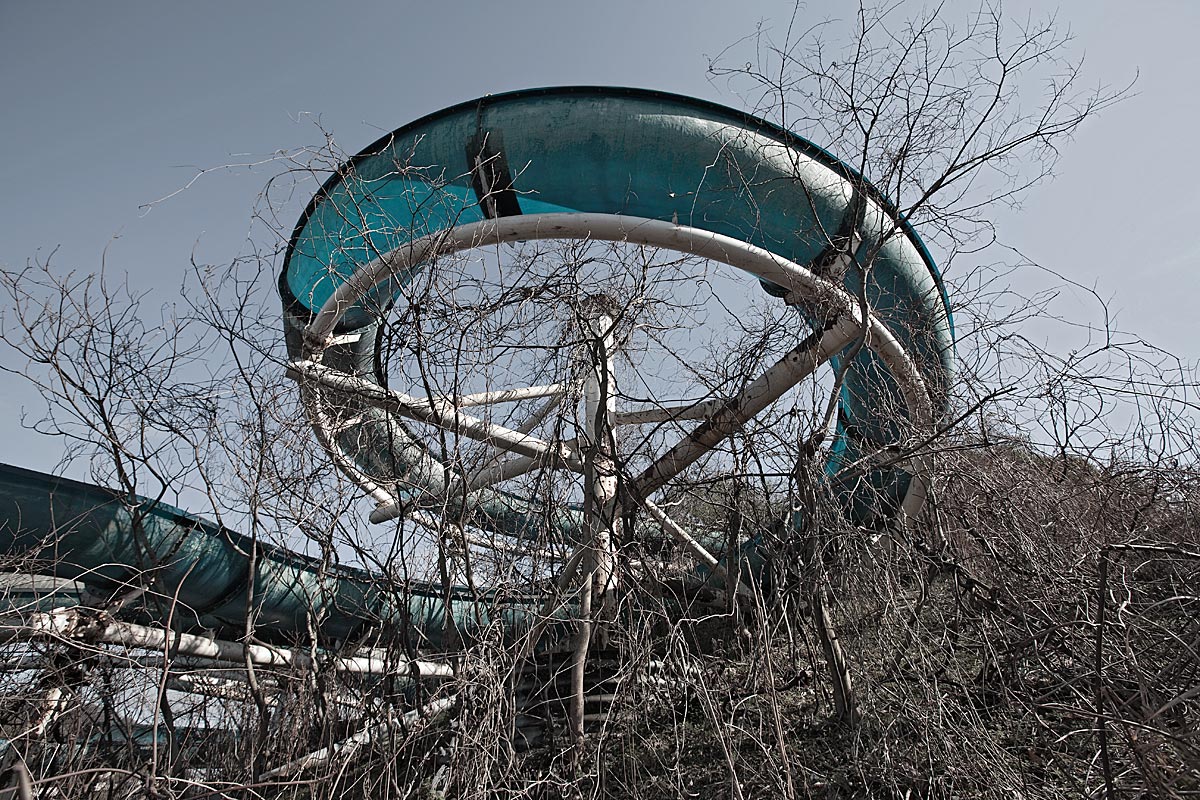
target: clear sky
<point>110,106</point>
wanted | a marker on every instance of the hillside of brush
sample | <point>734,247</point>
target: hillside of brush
<point>1036,634</point>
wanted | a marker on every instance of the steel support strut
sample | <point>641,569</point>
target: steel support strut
<point>597,604</point>
<point>600,466</point>
<point>801,284</point>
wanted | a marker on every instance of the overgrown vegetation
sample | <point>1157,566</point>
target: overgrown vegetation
<point>1035,632</point>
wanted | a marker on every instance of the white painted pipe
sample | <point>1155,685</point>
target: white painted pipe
<point>798,364</point>
<point>699,551</point>
<point>505,395</point>
<point>684,411</point>
<point>599,409</point>
<point>88,625</point>
<point>435,412</point>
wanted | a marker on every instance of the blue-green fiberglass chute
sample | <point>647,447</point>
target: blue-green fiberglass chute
<point>640,155</point>
<point>204,577</point>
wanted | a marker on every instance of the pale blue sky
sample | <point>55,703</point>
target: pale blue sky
<point>109,106</point>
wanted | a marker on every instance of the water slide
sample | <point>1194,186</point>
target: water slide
<point>594,163</point>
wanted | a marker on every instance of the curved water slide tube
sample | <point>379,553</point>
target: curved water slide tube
<point>615,164</point>
<point>565,163</point>
<point>206,578</point>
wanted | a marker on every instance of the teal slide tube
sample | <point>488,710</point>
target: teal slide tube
<point>625,152</point>
<point>208,578</point>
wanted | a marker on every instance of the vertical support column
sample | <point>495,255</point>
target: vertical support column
<point>597,605</point>
<point>600,405</point>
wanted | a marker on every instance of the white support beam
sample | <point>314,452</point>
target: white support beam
<point>210,686</point>
<point>435,412</point>
<point>537,417</point>
<point>495,471</point>
<point>510,468</point>
<point>698,551</point>
<point>326,430</point>
<point>796,365</point>
<point>700,409</point>
<point>505,395</point>
<point>86,625</point>
<point>599,410</point>
<point>499,471</point>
